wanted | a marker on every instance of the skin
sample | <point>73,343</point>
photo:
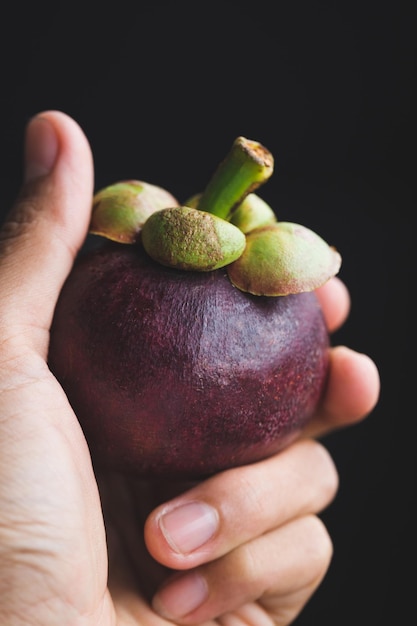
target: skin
<point>265,550</point>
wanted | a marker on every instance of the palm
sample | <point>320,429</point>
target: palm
<point>64,537</point>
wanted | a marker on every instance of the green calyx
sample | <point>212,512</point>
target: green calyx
<point>120,210</point>
<point>282,259</point>
<point>190,239</point>
<point>227,225</point>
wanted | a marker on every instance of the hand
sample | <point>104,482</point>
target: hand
<point>247,544</point>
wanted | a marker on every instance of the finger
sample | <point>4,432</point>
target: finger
<point>335,302</point>
<point>352,392</point>
<point>232,508</point>
<point>280,569</point>
<point>46,227</point>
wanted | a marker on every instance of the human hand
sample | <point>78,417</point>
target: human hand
<point>74,551</point>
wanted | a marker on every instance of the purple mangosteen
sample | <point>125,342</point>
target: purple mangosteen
<point>191,340</point>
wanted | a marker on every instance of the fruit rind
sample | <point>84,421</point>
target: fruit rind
<point>178,374</point>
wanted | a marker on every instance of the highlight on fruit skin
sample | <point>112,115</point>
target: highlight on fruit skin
<point>226,225</point>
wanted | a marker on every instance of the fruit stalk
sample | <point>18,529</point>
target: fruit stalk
<point>247,166</point>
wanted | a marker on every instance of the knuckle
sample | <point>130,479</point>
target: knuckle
<point>251,492</point>
<point>329,474</point>
<point>322,469</point>
<point>18,220</point>
<point>242,489</point>
<point>318,546</point>
<point>247,565</point>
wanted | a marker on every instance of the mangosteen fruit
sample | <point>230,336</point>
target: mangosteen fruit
<point>191,340</point>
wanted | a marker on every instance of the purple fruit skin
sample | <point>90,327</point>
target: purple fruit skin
<point>179,374</point>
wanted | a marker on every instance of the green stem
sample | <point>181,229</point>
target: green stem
<point>244,169</point>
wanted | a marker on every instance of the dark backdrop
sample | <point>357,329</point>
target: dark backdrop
<point>163,88</point>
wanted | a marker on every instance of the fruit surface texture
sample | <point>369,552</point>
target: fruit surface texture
<point>181,374</point>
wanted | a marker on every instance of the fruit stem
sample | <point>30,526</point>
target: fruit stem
<point>244,169</point>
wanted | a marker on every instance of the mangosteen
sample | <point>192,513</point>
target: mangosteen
<point>191,340</point>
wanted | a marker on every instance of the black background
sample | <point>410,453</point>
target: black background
<point>162,89</point>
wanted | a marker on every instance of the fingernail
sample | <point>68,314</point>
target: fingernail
<point>189,526</point>
<point>181,596</point>
<point>41,148</point>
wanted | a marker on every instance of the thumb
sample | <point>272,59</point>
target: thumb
<point>47,225</point>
